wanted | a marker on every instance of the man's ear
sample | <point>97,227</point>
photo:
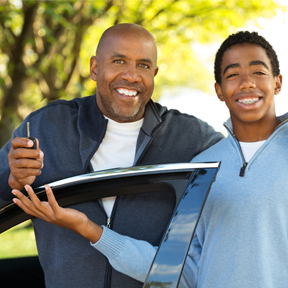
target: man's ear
<point>156,71</point>
<point>278,84</point>
<point>218,91</point>
<point>93,68</point>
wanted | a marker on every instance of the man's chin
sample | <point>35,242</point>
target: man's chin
<point>127,116</point>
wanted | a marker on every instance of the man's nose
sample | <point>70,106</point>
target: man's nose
<point>247,82</point>
<point>131,74</point>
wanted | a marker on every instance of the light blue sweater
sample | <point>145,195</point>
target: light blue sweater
<point>242,236</point>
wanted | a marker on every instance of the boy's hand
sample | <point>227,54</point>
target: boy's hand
<point>51,212</point>
<point>25,164</point>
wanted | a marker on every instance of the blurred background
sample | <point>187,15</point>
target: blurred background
<point>45,47</point>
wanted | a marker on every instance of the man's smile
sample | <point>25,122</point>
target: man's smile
<point>127,92</point>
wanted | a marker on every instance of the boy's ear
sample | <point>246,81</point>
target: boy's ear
<point>218,91</point>
<point>278,84</point>
<point>93,68</point>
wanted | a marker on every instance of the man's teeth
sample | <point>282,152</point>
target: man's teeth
<point>248,101</point>
<point>127,92</point>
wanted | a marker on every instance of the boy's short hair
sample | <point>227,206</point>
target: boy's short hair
<point>243,37</point>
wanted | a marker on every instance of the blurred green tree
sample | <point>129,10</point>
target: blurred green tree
<point>45,46</point>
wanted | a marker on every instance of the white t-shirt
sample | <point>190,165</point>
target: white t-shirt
<point>116,150</point>
<point>250,148</point>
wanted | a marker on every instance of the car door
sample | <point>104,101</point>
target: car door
<point>190,182</point>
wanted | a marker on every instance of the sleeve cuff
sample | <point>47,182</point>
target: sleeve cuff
<point>110,244</point>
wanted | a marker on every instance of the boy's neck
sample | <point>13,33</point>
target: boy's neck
<point>253,132</point>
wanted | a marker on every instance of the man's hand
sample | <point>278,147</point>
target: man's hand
<point>25,164</point>
<point>51,212</point>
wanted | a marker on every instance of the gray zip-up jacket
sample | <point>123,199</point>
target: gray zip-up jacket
<point>69,133</point>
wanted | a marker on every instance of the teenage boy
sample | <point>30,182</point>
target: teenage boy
<point>242,234</point>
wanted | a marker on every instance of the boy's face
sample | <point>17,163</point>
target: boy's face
<point>248,85</point>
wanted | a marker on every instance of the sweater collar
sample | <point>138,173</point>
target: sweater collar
<point>228,124</point>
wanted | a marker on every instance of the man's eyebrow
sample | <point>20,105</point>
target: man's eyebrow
<point>259,62</point>
<point>146,60</point>
<point>234,65</point>
<point>117,55</point>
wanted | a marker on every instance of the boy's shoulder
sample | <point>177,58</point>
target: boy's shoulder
<point>215,152</point>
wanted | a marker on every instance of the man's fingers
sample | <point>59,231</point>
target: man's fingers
<point>19,142</point>
<point>22,174</point>
<point>23,152</point>
<point>26,163</point>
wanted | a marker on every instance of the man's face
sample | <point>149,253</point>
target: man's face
<point>124,70</point>
<point>248,85</point>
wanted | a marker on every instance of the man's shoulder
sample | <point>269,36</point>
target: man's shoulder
<point>63,106</point>
<point>166,113</point>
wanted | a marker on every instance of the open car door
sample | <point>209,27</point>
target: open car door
<point>190,182</point>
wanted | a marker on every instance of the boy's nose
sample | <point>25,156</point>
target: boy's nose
<point>247,82</point>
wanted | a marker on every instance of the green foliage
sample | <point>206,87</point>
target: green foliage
<point>19,241</point>
<point>46,45</point>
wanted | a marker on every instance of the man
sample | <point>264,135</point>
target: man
<point>123,127</point>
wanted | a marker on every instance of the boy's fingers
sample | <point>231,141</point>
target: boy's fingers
<point>28,206</point>
<point>51,198</point>
<point>20,203</point>
<point>34,198</point>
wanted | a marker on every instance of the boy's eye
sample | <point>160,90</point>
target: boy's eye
<point>259,73</point>
<point>231,75</point>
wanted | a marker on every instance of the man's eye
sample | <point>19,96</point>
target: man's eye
<point>119,61</point>
<point>142,65</point>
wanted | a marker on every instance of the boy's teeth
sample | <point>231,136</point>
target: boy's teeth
<point>127,92</point>
<point>248,101</point>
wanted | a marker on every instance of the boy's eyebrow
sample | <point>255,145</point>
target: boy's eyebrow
<point>117,55</point>
<point>234,65</point>
<point>252,63</point>
<point>259,62</point>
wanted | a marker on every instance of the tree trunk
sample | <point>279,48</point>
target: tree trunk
<point>18,76</point>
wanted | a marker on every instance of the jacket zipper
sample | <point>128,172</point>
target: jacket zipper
<point>109,224</point>
<point>243,168</point>
<point>140,157</point>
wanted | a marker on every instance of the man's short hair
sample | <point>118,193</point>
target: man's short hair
<point>243,37</point>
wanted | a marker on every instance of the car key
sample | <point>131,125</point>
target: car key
<point>31,138</point>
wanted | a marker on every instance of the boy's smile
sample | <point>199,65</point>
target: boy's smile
<point>248,88</point>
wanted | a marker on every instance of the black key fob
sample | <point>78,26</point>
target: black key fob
<point>34,142</point>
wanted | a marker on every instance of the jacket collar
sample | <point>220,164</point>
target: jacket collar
<point>92,128</point>
<point>228,124</point>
